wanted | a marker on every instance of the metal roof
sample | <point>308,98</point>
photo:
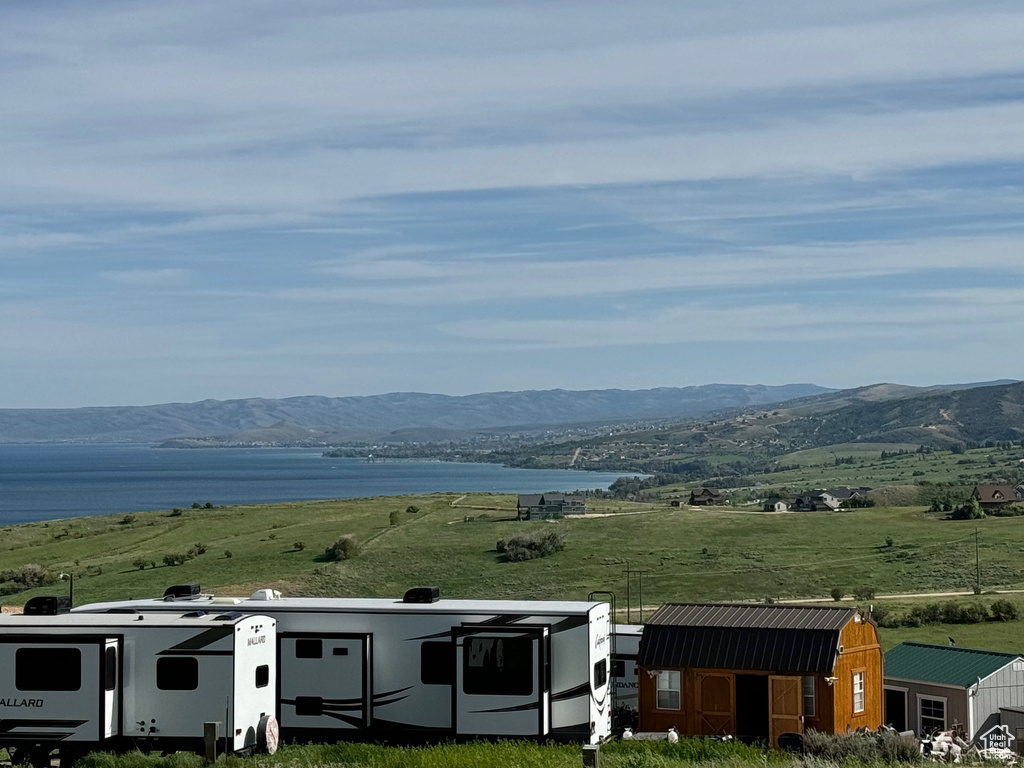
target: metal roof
<point>782,638</point>
<point>799,651</point>
<point>753,615</point>
<point>943,664</point>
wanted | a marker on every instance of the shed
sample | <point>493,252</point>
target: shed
<point>757,671</point>
<point>931,687</point>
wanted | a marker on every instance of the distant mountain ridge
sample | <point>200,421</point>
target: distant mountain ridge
<point>373,417</point>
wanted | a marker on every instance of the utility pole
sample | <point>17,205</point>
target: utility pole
<point>629,606</point>
<point>977,561</point>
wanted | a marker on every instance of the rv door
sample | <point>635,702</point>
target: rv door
<point>111,686</point>
<point>502,681</point>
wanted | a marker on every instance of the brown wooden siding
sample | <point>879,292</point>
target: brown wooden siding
<point>708,696</point>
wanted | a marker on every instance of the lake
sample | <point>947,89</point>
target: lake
<point>45,482</point>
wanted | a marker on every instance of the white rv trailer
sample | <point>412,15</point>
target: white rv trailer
<point>624,656</point>
<point>421,668</point>
<point>81,682</point>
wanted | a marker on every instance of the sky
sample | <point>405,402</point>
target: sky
<point>263,199</point>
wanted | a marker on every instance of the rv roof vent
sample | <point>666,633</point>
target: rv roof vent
<point>422,595</point>
<point>47,605</point>
<point>178,591</point>
<point>229,616</point>
<point>193,615</point>
<point>121,610</point>
<point>224,601</point>
<point>265,594</point>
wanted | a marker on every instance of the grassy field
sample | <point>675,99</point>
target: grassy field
<point>684,553</point>
<point>508,754</point>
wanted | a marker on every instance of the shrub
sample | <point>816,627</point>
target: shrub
<point>127,520</point>
<point>864,593</point>
<point>227,554</point>
<point>395,517</point>
<point>200,548</point>
<point>28,576</point>
<point>208,505</point>
<point>870,747</point>
<point>837,594</point>
<point>527,546</point>
<point>344,548</point>
<point>140,563</point>
<point>174,559</point>
<point>299,546</point>
<point>971,510</point>
<point>196,505</point>
<point>1003,610</point>
<point>176,512</point>
<point>412,509</point>
<point>888,541</point>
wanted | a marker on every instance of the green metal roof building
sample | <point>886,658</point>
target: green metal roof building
<point>931,687</point>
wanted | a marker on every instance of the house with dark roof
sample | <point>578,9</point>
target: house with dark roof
<point>815,501</point>
<point>757,671</point>
<point>707,497</point>
<point>930,687</point>
<point>545,506</point>
<point>994,495</point>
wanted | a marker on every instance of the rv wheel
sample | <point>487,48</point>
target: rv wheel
<point>267,734</point>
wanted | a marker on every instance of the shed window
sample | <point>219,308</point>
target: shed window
<point>501,666</point>
<point>858,691</point>
<point>177,673</point>
<point>933,714</point>
<point>48,669</point>
<point>668,689</point>
<point>809,710</point>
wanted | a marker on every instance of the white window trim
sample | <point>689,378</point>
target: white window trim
<point>945,710</point>
<point>678,690</point>
<point>814,695</point>
<point>863,690</point>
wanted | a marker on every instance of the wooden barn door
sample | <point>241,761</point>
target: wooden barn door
<point>715,704</point>
<point>786,706</point>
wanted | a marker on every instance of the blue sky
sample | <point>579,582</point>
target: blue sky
<point>238,199</point>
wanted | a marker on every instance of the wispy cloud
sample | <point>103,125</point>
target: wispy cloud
<point>475,195</point>
<point>148,277</point>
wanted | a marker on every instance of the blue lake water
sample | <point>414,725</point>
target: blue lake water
<point>45,482</point>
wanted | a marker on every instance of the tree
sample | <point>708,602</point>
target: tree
<point>864,593</point>
<point>140,563</point>
<point>837,594</point>
<point>344,548</point>
<point>395,517</point>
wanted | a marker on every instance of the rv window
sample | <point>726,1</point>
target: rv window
<point>262,676</point>
<point>437,662</point>
<point>600,674</point>
<point>48,669</point>
<point>618,668</point>
<point>309,648</point>
<point>110,669</point>
<point>501,666</point>
<point>177,673</point>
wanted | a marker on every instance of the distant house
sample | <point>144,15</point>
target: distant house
<point>928,687</point>
<point>842,493</point>
<point>757,671</point>
<point>544,506</point>
<point>994,495</point>
<point>814,501</point>
<point>776,505</point>
<point>706,497</point>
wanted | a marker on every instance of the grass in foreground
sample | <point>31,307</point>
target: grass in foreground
<point>503,754</point>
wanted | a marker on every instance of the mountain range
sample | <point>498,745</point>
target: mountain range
<point>412,415</point>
